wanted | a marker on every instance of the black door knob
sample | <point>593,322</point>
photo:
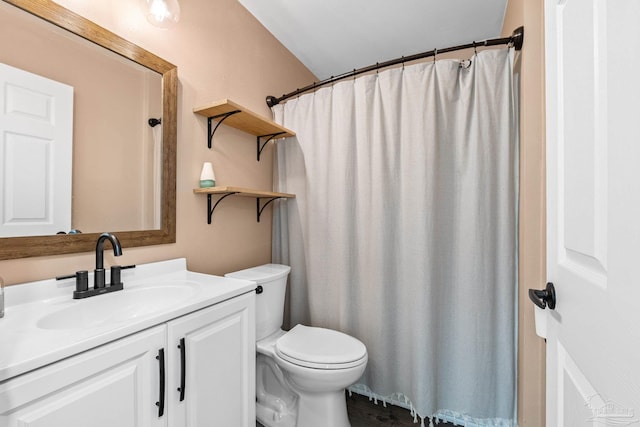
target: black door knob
<point>544,298</point>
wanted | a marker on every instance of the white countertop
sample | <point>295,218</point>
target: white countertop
<point>26,345</point>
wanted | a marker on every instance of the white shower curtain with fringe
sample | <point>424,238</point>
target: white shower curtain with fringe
<point>403,232</point>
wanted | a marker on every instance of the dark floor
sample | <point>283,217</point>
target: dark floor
<point>365,413</point>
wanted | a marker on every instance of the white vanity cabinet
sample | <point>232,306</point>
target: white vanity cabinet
<point>119,383</point>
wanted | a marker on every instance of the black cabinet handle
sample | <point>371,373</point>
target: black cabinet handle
<point>160,403</point>
<point>544,298</point>
<point>183,367</point>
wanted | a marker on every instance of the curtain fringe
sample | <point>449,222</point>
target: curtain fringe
<point>441,415</point>
<point>397,399</point>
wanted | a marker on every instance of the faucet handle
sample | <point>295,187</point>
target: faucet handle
<point>82,284</point>
<point>82,280</point>
<point>115,275</point>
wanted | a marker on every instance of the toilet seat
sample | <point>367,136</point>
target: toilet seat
<point>320,348</point>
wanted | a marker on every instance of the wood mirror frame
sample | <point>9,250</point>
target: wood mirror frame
<point>24,247</point>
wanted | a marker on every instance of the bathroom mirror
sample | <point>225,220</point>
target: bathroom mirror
<point>159,230</point>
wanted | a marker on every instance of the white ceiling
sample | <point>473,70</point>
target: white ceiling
<point>334,36</point>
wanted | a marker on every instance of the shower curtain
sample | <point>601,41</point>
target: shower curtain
<point>403,232</point>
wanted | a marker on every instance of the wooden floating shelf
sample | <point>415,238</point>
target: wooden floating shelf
<point>245,120</point>
<point>239,191</point>
<point>242,192</point>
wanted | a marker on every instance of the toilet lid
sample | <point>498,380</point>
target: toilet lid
<point>320,348</point>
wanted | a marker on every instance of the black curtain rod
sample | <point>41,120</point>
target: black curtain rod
<point>517,38</point>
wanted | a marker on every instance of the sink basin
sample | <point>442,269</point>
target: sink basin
<point>118,307</point>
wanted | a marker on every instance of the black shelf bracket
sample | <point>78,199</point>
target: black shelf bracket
<point>260,209</point>
<point>210,120</point>
<point>269,138</point>
<point>210,209</point>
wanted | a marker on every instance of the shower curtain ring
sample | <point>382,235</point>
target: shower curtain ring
<point>435,53</point>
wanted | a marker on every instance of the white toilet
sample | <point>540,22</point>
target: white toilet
<point>301,375</point>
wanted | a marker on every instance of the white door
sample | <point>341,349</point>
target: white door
<point>212,363</point>
<point>115,385</point>
<point>36,130</point>
<point>593,217</point>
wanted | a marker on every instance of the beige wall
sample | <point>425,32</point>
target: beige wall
<point>221,52</point>
<point>531,348</point>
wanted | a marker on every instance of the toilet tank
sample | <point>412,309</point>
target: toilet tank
<point>269,303</point>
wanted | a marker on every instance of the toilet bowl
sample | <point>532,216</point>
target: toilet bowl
<point>301,374</point>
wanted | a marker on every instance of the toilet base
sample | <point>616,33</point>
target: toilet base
<point>278,405</point>
<point>269,417</point>
<point>323,410</point>
<point>314,410</point>
<point>275,401</point>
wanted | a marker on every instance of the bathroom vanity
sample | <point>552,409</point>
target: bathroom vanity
<point>174,348</point>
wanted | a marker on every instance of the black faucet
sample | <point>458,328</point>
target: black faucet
<point>98,273</point>
<point>99,287</point>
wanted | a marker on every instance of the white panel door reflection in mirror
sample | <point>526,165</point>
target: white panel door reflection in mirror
<point>36,133</point>
<point>593,211</point>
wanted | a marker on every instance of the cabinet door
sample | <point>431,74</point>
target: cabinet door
<point>113,385</point>
<point>219,361</point>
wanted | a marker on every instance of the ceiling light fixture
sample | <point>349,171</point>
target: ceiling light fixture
<point>162,13</point>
